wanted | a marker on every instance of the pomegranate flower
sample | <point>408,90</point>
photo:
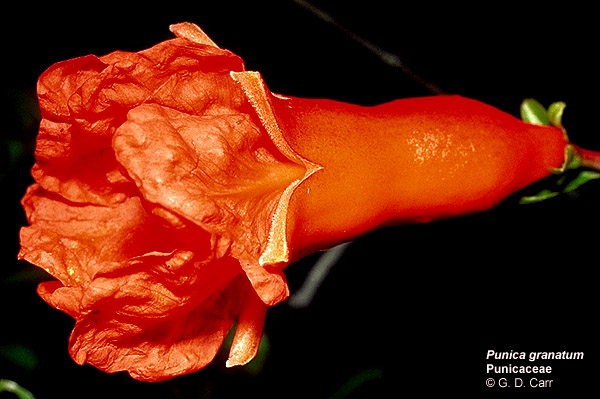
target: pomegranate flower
<point>172,189</point>
<point>159,206</point>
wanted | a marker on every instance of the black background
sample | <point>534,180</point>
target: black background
<point>414,307</point>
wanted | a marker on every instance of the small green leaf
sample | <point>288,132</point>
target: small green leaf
<point>13,387</point>
<point>534,112</point>
<point>566,180</point>
<point>563,185</point>
<point>583,177</point>
<point>349,388</point>
<point>555,113</point>
<point>539,197</point>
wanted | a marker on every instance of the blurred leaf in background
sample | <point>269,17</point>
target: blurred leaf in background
<point>21,128</point>
<point>20,356</point>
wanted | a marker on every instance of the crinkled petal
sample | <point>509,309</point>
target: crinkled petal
<point>84,100</point>
<point>73,242</point>
<point>158,285</point>
<point>221,172</point>
<point>268,281</point>
<point>66,299</point>
<point>159,315</point>
<point>191,32</point>
<point>59,82</point>
<point>157,186</point>
<point>165,348</point>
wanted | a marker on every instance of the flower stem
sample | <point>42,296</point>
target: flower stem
<point>589,159</point>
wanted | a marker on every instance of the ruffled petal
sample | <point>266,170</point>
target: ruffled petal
<point>73,242</point>
<point>84,100</point>
<point>268,281</point>
<point>62,80</point>
<point>219,171</point>
<point>66,299</point>
<point>192,32</point>
<point>161,183</point>
<point>156,316</point>
<point>167,349</point>
<point>157,349</point>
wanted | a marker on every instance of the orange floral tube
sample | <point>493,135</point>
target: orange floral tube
<point>172,189</point>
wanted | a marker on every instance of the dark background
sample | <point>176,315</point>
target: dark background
<point>407,309</point>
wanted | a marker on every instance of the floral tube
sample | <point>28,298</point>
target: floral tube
<point>172,189</point>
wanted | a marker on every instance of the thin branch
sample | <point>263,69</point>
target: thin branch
<point>386,57</point>
<point>305,294</point>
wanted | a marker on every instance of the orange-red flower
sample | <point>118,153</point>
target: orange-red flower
<point>172,188</point>
<point>157,192</point>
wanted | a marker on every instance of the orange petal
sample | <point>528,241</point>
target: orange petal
<point>157,317</point>
<point>218,171</point>
<point>268,281</point>
<point>73,243</point>
<point>192,32</point>
<point>157,351</point>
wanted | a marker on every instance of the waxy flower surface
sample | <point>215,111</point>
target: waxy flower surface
<point>157,192</point>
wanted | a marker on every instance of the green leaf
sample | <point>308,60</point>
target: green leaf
<point>564,185</point>
<point>534,112</point>
<point>13,387</point>
<point>555,113</point>
<point>583,177</point>
<point>539,197</point>
<point>357,381</point>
